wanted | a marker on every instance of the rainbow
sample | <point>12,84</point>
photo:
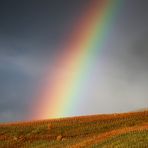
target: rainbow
<point>87,40</point>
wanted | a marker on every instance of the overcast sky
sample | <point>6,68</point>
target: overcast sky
<point>31,32</point>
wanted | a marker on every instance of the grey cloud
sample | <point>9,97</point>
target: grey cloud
<point>140,48</point>
<point>31,38</point>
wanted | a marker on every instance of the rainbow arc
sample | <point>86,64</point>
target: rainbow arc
<point>87,39</point>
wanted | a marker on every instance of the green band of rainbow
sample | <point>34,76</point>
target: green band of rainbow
<point>88,38</point>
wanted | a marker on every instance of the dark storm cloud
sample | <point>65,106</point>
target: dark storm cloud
<point>131,35</point>
<point>140,48</point>
<point>35,22</point>
<point>136,27</point>
<point>32,32</point>
<point>15,90</point>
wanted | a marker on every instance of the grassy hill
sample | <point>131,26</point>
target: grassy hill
<point>113,130</point>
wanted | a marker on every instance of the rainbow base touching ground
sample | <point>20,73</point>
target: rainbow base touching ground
<point>88,38</point>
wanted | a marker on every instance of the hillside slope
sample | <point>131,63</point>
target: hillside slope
<point>113,130</point>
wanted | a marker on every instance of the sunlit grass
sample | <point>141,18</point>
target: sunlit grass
<point>96,131</point>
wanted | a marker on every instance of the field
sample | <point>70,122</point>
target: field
<point>112,130</point>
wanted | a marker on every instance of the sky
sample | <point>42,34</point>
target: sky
<point>32,33</point>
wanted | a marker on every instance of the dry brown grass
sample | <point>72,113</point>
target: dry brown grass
<point>72,132</point>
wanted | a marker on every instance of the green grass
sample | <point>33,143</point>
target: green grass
<point>134,139</point>
<point>79,131</point>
